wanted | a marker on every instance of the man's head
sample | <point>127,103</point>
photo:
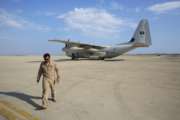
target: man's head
<point>46,57</point>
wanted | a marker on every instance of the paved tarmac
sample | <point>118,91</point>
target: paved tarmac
<point>145,87</point>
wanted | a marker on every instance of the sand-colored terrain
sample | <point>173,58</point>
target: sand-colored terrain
<point>124,88</point>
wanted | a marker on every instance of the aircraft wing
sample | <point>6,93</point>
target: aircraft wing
<point>78,44</point>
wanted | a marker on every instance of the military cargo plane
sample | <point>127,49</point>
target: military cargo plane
<point>75,50</point>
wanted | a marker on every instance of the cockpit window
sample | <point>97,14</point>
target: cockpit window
<point>132,40</point>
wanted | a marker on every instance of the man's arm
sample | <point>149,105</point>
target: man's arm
<point>57,73</point>
<point>39,73</point>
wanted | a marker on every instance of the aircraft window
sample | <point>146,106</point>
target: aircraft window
<point>141,32</point>
<point>91,53</point>
<point>132,40</point>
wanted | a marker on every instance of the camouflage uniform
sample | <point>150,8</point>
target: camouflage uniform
<point>50,76</point>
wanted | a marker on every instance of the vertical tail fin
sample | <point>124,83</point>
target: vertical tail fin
<point>142,37</point>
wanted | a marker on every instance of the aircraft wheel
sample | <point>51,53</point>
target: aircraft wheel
<point>101,58</point>
<point>73,56</point>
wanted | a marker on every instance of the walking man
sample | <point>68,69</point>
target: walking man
<point>50,73</point>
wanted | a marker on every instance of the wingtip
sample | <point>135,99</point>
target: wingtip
<point>50,40</point>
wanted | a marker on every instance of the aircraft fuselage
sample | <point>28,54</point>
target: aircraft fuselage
<point>108,52</point>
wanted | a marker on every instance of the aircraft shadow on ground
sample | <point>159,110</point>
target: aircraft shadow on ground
<point>106,60</point>
<point>113,60</point>
<point>24,97</point>
<point>68,60</point>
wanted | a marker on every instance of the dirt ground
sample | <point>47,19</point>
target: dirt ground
<point>124,88</point>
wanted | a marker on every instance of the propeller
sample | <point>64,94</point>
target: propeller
<point>67,45</point>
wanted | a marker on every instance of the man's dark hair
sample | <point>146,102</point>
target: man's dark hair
<point>46,55</point>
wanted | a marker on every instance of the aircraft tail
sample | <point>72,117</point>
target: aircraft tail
<point>141,37</point>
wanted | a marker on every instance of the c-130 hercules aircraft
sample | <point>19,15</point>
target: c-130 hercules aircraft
<point>75,50</point>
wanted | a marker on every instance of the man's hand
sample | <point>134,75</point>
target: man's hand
<point>58,79</point>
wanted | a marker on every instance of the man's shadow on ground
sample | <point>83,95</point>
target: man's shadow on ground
<point>24,97</point>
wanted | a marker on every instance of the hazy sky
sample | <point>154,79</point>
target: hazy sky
<point>26,25</point>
